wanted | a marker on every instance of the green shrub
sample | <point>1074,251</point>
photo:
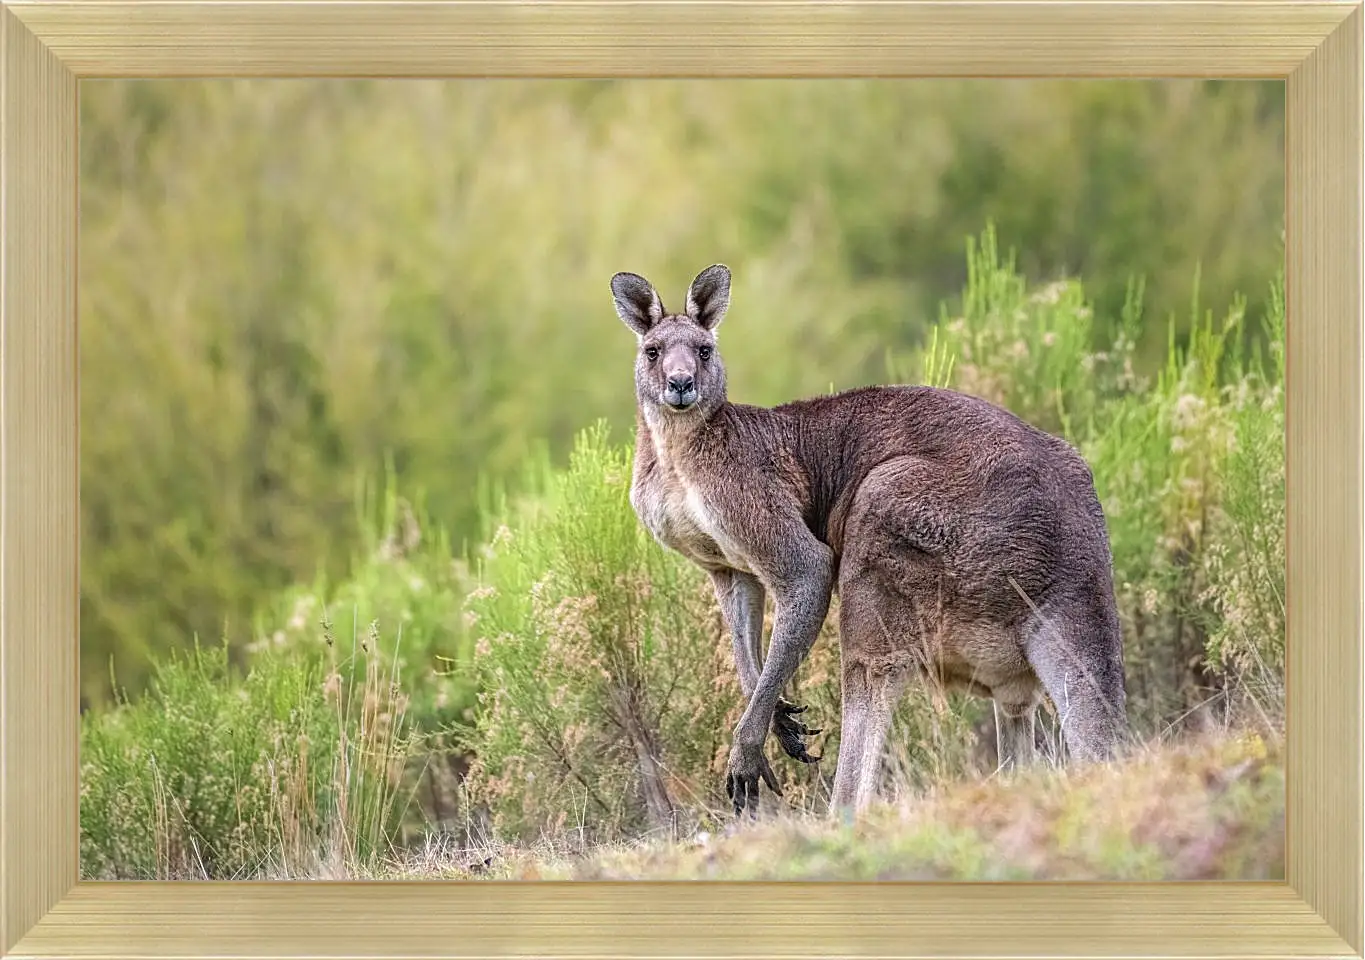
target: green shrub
<point>603,674</point>
<point>404,578</point>
<point>1244,566</point>
<point>280,772</point>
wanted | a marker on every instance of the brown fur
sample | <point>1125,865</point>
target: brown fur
<point>967,546</point>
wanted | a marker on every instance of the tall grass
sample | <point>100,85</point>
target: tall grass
<point>292,769</point>
<point>406,577</point>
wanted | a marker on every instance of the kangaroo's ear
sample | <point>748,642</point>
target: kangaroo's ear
<point>709,296</point>
<point>637,303</point>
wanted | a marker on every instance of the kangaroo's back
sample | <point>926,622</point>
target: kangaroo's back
<point>1011,478</point>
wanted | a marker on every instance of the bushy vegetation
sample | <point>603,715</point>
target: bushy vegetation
<point>296,767</point>
<point>572,684</point>
<point>604,676</point>
<point>284,282</point>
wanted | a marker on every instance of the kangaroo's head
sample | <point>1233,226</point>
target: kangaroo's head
<point>678,372</point>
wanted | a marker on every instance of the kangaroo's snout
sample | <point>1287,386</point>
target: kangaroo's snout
<point>681,383</point>
<point>681,391</point>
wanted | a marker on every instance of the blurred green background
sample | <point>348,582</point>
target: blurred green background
<point>289,288</point>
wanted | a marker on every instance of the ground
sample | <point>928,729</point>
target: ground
<point>1207,811</point>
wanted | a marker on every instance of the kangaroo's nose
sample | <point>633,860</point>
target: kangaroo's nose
<point>682,383</point>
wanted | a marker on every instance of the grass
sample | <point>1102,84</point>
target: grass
<point>1209,810</point>
<point>559,702</point>
<point>297,765</point>
<point>1209,813</point>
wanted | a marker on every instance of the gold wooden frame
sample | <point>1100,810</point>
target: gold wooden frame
<point>48,45</point>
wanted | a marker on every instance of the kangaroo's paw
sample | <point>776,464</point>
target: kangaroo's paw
<point>790,732</point>
<point>747,766</point>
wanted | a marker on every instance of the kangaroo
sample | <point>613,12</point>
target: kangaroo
<point>966,547</point>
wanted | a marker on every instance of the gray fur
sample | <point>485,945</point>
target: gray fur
<point>969,549</point>
<point>741,602</point>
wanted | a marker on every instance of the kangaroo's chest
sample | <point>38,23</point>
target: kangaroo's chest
<point>682,517</point>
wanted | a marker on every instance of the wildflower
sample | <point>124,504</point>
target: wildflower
<point>1149,600</point>
<point>1049,338</point>
<point>1050,294</point>
<point>1128,379</point>
<point>1185,413</point>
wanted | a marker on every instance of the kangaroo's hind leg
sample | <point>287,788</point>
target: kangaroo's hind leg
<point>875,669</point>
<point>856,700</point>
<point>1014,733</point>
<point>870,697</point>
<point>1076,650</point>
<point>890,601</point>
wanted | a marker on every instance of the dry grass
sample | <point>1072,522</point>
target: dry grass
<point>1210,810</point>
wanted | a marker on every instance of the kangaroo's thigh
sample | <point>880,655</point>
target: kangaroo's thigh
<point>892,585</point>
<point>878,626</point>
<point>904,511</point>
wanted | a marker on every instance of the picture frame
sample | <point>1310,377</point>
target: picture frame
<point>48,46</point>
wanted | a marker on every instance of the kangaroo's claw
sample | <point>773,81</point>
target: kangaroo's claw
<point>790,732</point>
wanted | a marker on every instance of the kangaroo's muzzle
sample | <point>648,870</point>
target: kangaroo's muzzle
<point>681,391</point>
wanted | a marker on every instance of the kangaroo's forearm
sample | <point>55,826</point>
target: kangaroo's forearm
<point>741,603</point>
<point>801,611</point>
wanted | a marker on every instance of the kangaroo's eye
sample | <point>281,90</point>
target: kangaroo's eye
<point>704,353</point>
<point>652,353</point>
